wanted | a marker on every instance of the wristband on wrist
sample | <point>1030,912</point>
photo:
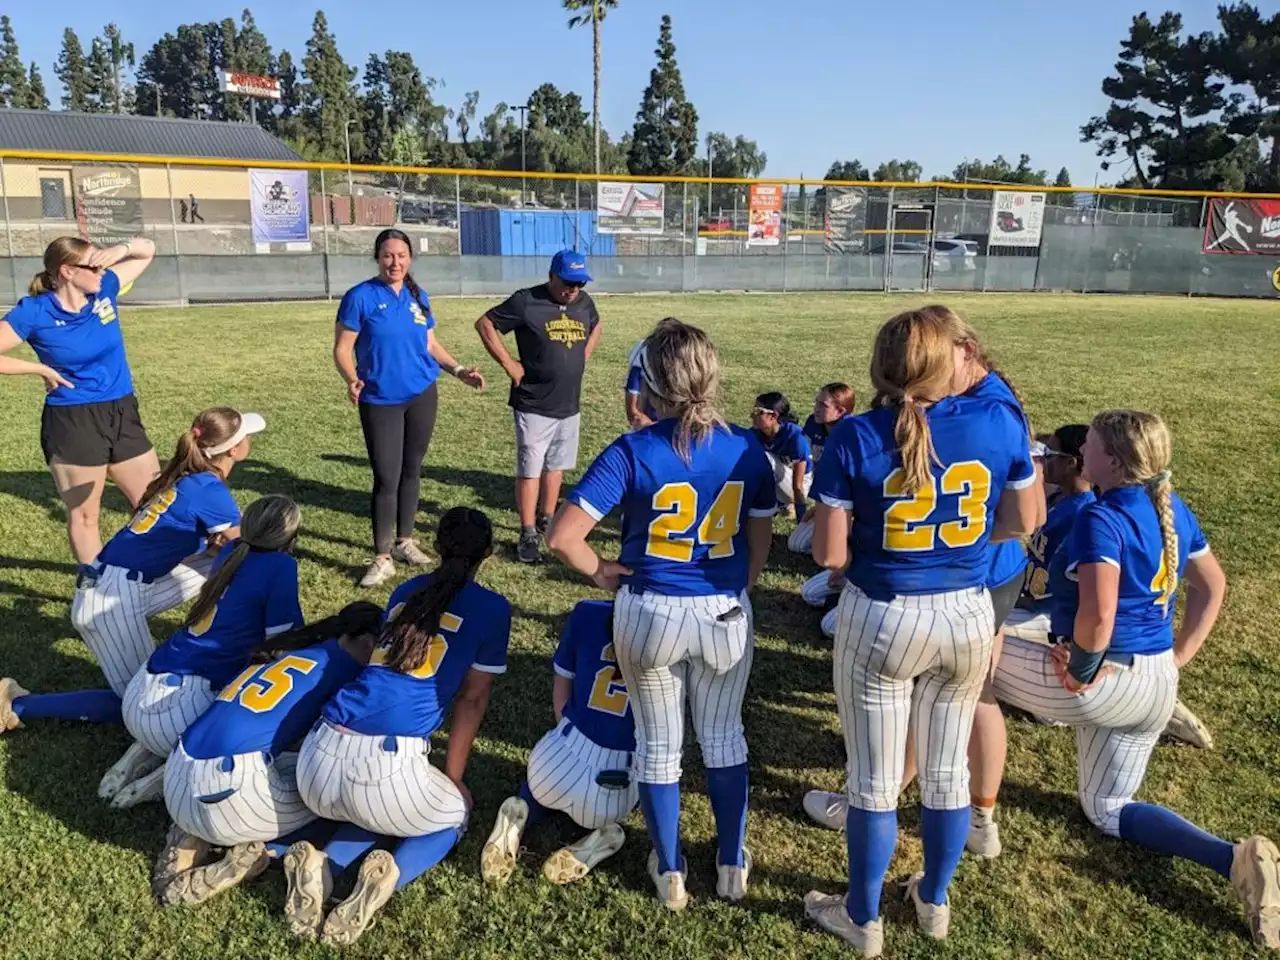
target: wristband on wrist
<point>1084,665</point>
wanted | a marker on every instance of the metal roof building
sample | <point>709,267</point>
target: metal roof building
<point>63,131</point>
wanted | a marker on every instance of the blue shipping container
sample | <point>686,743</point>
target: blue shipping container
<point>532,233</point>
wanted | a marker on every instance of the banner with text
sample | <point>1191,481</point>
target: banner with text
<point>764,227</point>
<point>629,207</point>
<point>846,225</point>
<point>108,202</point>
<point>1017,219</point>
<point>1243,227</point>
<point>278,206</point>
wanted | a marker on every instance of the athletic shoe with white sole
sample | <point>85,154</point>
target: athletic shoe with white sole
<point>826,809</point>
<point>242,863</point>
<point>308,884</point>
<point>137,762</point>
<point>406,551</point>
<point>731,882</point>
<point>374,887</point>
<point>1186,727</point>
<point>380,570</point>
<point>182,852</point>
<point>1255,875</point>
<point>670,885</point>
<point>827,910</point>
<point>9,692</point>
<point>575,861</point>
<point>498,859</point>
<point>984,841</point>
<point>146,788</point>
<point>934,919</point>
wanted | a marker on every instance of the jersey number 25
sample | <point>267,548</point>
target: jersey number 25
<point>676,506</point>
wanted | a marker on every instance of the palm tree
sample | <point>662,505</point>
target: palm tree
<point>592,12</point>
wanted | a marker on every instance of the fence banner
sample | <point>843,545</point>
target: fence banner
<point>629,207</point>
<point>108,201</point>
<point>1243,226</point>
<point>846,226</point>
<point>1017,219</point>
<point>764,228</point>
<point>278,206</point>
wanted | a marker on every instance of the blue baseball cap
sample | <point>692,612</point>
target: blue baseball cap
<point>570,266</point>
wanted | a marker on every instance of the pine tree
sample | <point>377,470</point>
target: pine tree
<point>329,95</point>
<point>101,75</point>
<point>13,76</point>
<point>666,131</point>
<point>73,71</point>
<point>120,54</point>
<point>37,98</point>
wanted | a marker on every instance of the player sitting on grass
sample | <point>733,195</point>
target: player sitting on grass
<point>834,403</point>
<point>787,448</point>
<point>583,766</point>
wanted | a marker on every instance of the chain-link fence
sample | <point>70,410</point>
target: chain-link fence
<point>226,232</point>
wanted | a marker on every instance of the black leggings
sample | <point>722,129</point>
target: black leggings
<point>397,438</point>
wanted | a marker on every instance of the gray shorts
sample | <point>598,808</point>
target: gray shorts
<point>545,444</point>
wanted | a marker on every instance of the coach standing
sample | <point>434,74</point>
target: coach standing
<point>557,329</point>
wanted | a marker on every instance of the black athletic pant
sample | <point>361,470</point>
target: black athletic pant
<point>397,438</point>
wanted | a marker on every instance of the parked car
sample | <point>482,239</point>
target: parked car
<point>717,225</point>
<point>954,255</point>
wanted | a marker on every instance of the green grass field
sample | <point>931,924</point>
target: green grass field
<point>73,874</point>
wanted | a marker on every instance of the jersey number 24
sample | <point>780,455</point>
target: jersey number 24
<point>676,506</point>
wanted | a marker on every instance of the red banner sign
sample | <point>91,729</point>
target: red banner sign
<point>1243,226</point>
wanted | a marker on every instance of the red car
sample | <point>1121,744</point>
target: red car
<point>717,225</point>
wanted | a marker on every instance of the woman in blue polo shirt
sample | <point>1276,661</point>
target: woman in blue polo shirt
<point>90,429</point>
<point>386,349</point>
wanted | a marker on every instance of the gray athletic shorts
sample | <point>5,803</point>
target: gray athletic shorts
<point>545,444</point>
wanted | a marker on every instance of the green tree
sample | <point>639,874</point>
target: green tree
<point>37,98</point>
<point>244,50</point>
<point>466,114</point>
<point>665,137</point>
<point>329,95</point>
<point>120,54</point>
<point>1063,179</point>
<point>101,82</point>
<point>1247,52</point>
<point>13,73</point>
<point>1000,170</point>
<point>397,95</point>
<point>592,12</point>
<point>176,76</point>
<point>731,158</point>
<point>847,170</point>
<point>902,171</point>
<point>73,71</point>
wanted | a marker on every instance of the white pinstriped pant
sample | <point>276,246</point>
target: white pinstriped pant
<point>782,479</point>
<point>562,776</point>
<point>817,590</point>
<point>917,661</point>
<point>1117,722</point>
<point>111,614</point>
<point>382,783</point>
<point>158,707</point>
<point>671,649</point>
<point>801,539</point>
<point>252,800</point>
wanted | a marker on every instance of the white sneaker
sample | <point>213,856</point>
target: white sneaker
<point>9,692</point>
<point>1184,726</point>
<point>670,885</point>
<point>984,841</point>
<point>576,860</point>
<point>934,919</point>
<point>406,551</point>
<point>827,910</point>
<point>731,882</point>
<point>379,572</point>
<point>137,762</point>
<point>498,859</point>
<point>309,882</point>
<point>145,789</point>
<point>1255,875</point>
<point>826,809</point>
<point>374,887</point>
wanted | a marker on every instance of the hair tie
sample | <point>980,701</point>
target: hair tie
<point>908,399</point>
<point>1164,476</point>
<point>196,431</point>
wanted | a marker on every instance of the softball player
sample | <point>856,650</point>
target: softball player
<point>366,761</point>
<point>583,766</point>
<point>832,404</point>
<point>698,501</point>
<point>1114,674</point>
<point>929,476</point>
<point>787,448</point>
<point>252,594</point>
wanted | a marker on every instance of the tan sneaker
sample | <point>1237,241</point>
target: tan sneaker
<point>934,919</point>
<point>498,859</point>
<point>670,885</point>
<point>308,884</point>
<point>984,841</point>
<point>242,863</point>
<point>406,551</point>
<point>9,692</point>
<point>374,886</point>
<point>731,882</point>
<point>576,860</point>
<point>1187,728</point>
<point>826,809</point>
<point>379,572</point>
<point>1255,875</point>
<point>827,910</point>
<point>182,852</point>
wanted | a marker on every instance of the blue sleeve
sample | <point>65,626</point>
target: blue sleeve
<point>803,449</point>
<point>283,609</point>
<point>24,317</point>
<point>1095,538</point>
<point>605,483</point>
<point>565,660</point>
<point>215,508</point>
<point>1022,472</point>
<point>111,288</point>
<point>1197,543</point>
<point>491,656</point>
<point>633,380</point>
<point>349,313</point>
<point>832,481</point>
<point>765,501</point>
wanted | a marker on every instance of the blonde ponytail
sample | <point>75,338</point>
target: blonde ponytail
<point>1160,490</point>
<point>210,428</point>
<point>681,377</point>
<point>40,283</point>
<point>915,443</point>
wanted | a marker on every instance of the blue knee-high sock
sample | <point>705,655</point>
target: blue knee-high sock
<point>416,855</point>
<point>315,832</point>
<point>348,845</point>
<point>1163,831</point>
<point>871,835</point>
<point>943,833</point>
<point>660,803</point>
<point>536,810</point>
<point>92,706</point>
<point>727,788</point>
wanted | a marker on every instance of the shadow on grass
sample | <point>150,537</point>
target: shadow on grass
<point>36,487</point>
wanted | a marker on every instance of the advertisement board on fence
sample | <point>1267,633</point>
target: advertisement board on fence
<point>764,226</point>
<point>1243,226</point>
<point>846,222</point>
<point>108,202</point>
<point>1017,219</point>
<point>629,207</point>
<point>278,206</point>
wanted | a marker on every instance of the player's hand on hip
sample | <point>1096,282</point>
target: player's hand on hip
<point>53,379</point>
<point>471,377</point>
<point>609,574</point>
<point>354,389</point>
<point>516,372</point>
<point>1061,656</point>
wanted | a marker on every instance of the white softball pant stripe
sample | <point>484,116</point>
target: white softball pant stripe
<point>801,539</point>
<point>817,590</point>
<point>384,784</point>
<point>1028,625</point>
<point>913,662</point>
<point>1117,722</point>
<point>158,707</point>
<point>673,649</point>
<point>111,614</point>
<point>252,800</point>
<point>829,623</point>
<point>782,478</point>
<point>562,776</point>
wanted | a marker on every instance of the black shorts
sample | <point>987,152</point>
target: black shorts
<point>93,434</point>
<point>1005,597</point>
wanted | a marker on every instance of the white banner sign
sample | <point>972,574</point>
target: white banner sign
<point>629,207</point>
<point>249,84</point>
<point>1017,219</point>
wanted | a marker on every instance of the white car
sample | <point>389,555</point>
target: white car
<point>955,255</point>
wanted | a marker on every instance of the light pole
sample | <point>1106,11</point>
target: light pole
<point>346,135</point>
<point>523,108</point>
<point>709,182</point>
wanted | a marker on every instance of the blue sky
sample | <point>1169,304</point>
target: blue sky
<point>812,81</point>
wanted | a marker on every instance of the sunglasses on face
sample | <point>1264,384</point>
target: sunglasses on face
<point>763,412</point>
<point>92,268</point>
<point>574,284</point>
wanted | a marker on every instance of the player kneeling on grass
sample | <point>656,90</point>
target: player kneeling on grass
<point>583,766</point>
<point>230,782</point>
<point>787,448</point>
<point>833,404</point>
<point>366,762</point>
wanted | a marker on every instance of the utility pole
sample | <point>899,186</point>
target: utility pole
<point>523,108</point>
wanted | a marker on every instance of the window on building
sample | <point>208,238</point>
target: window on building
<point>53,198</point>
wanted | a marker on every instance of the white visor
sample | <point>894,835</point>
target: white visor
<point>250,423</point>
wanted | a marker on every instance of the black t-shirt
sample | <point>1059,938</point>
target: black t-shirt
<point>552,342</point>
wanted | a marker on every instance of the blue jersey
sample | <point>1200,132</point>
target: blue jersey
<point>473,636</point>
<point>173,525</point>
<point>86,347</point>
<point>818,434</point>
<point>635,379</point>
<point>1057,527</point>
<point>684,530</point>
<point>1008,558</point>
<point>260,601</point>
<point>789,445</point>
<point>1122,529</point>
<point>935,540</point>
<point>391,341</point>
<point>599,705</point>
<point>271,706</point>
